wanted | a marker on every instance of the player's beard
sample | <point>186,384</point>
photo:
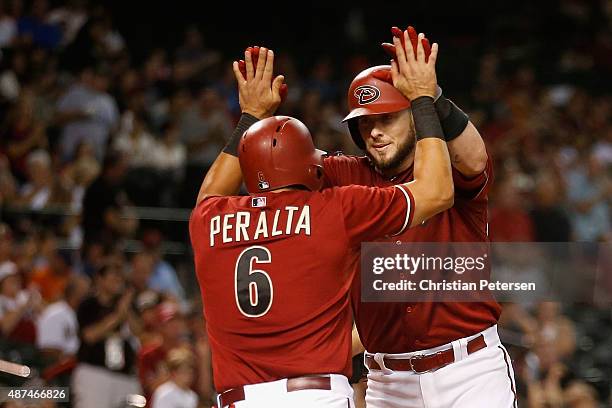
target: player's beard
<point>393,165</point>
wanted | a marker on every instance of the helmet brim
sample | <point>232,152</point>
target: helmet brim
<point>355,113</point>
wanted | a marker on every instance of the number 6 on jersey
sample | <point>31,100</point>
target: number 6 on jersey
<point>253,287</point>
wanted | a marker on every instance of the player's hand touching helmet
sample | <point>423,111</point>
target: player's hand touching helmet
<point>259,94</point>
<point>412,74</point>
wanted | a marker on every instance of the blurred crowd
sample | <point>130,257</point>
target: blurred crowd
<point>89,133</point>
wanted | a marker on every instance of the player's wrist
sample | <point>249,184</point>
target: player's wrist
<point>426,121</point>
<point>245,122</point>
<point>256,113</point>
<point>452,118</point>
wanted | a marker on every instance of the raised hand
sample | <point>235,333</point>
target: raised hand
<point>259,95</point>
<point>255,55</point>
<point>412,34</point>
<point>412,74</point>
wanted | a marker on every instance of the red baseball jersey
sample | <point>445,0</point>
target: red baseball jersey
<point>406,327</point>
<point>275,272</point>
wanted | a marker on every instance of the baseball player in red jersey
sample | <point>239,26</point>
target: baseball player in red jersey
<point>276,300</point>
<point>440,354</point>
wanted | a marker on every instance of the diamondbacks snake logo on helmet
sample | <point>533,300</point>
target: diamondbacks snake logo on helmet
<point>366,94</point>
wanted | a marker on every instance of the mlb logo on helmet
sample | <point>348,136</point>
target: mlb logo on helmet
<point>263,184</point>
<point>258,202</point>
<point>366,94</point>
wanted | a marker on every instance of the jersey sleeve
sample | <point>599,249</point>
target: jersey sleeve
<point>371,213</point>
<point>196,220</point>
<point>340,170</point>
<point>475,187</point>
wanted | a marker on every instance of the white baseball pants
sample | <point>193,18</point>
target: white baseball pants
<point>274,395</point>
<point>483,379</point>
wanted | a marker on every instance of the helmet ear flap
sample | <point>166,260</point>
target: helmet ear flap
<point>315,173</point>
<point>353,127</point>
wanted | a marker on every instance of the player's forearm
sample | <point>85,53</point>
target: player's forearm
<point>467,152</point>
<point>225,177</point>
<point>433,180</point>
<point>432,187</point>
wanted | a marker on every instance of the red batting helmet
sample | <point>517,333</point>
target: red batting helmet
<point>278,152</point>
<point>372,93</point>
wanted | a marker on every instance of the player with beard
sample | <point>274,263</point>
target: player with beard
<point>408,344</point>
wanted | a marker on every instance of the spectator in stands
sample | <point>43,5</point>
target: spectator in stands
<point>169,158</point>
<point>51,280</point>
<point>146,309</point>
<point>176,392</point>
<point>204,126</point>
<point>22,134</point>
<point>42,189</point>
<point>106,217</point>
<point>173,331</point>
<point>19,308</point>
<point>104,376</point>
<point>93,257</point>
<point>143,182</point>
<point>134,140</point>
<point>81,173</point>
<point>550,220</point>
<point>58,330</point>
<point>164,278</point>
<point>509,219</point>
<point>25,252</point>
<point>192,57</point>
<point>589,191</point>
<point>46,248</point>
<point>87,113</point>
<point>141,269</point>
<point>196,322</point>
<point>555,329</point>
